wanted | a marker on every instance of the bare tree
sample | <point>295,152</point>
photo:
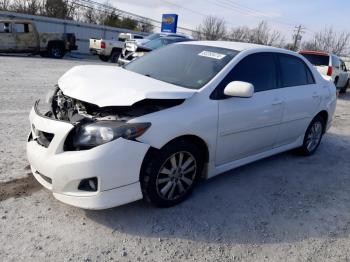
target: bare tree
<point>212,28</point>
<point>240,34</point>
<point>145,25</point>
<point>90,15</point>
<point>32,7</point>
<point>262,34</point>
<point>63,9</point>
<point>5,5</point>
<point>330,41</point>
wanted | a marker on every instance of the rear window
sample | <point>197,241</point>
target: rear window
<point>317,60</point>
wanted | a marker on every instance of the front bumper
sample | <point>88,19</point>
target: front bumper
<point>116,165</point>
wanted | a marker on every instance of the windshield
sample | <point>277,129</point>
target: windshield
<point>152,36</point>
<point>186,65</point>
<point>317,60</point>
<point>154,44</point>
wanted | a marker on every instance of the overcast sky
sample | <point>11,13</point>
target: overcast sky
<point>281,14</point>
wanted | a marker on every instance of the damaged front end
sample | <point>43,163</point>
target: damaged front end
<point>94,125</point>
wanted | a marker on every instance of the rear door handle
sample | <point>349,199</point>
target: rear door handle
<point>315,95</point>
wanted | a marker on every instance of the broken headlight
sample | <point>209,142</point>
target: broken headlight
<point>91,135</point>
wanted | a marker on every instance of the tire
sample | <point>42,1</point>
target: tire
<point>343,89</point>
<point>104,58</point>
<point>56,51</point>
<point>165,179</point>
<point>115,56</point>
<point>313,136</point>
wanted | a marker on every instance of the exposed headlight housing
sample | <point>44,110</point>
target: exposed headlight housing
<point>98,133</point>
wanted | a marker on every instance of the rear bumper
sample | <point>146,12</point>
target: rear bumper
<point>116,165</point>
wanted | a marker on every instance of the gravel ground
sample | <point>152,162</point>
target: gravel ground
<point>284,208</point>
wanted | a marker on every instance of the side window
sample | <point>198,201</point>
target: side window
<point>5,28</point>
<point>310,76</point>
<point>258,69</point>
<point>294,72</point>
<point>23,28</point>
<point>335,62</point>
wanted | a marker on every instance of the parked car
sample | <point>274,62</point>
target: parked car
<point>152,129</point>
<point>159,35</point>
<point>329,65</point>
<point>132,51</point>
<point>21,36</point>
<point>109,50</point>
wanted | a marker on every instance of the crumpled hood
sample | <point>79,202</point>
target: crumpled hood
<point>115,86</point>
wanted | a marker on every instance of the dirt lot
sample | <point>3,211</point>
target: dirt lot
<point>285,208</point>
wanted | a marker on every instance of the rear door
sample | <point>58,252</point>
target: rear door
<point>302,96</point>
<point>7,38</point>
<point>27,39</point>
<point>248,126</point>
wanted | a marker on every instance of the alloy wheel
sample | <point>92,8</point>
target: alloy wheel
<point>176,176</point>
<point>314,136</point>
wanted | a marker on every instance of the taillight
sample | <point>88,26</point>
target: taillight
<point>330,71</point>
<point>103,45</point>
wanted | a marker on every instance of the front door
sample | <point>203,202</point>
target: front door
<point>26,37</point>
<point>248,126</point>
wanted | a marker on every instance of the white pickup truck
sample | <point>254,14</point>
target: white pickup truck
<point>109,50</point>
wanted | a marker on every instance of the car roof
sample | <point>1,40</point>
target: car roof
<point>237,46</point>
<point>15,21</point>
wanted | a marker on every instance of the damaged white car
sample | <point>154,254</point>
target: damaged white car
<point>152,129</point>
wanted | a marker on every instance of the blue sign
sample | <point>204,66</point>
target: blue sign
<point>169,23</point>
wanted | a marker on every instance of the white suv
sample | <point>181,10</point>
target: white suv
<point>329,65</point>
<point>153,128</point>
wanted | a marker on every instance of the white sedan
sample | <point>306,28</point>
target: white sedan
<point>152,129</point>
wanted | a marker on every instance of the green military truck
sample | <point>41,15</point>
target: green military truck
<point>21,36</point>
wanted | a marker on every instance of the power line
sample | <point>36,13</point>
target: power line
<point>299,31</point>
<point>139,18</point>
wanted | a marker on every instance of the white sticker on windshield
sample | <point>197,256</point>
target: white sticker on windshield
<point>212,55</point>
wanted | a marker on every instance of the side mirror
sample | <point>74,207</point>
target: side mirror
<point>239,89</point>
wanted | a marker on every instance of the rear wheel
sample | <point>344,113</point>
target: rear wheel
<point>103,58</point>
<point>56,51</point>
<point>313,136</point>
<point>170,175</point>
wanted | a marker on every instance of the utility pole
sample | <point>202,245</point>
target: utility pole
<point>299,30</point>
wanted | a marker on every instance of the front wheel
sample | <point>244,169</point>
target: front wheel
<point>313,136</point>
<point>170,175</point>
<point>115,56</point>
